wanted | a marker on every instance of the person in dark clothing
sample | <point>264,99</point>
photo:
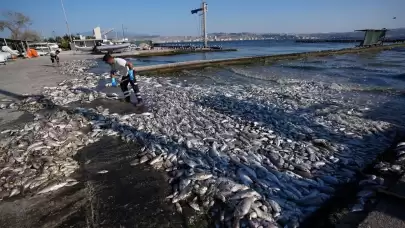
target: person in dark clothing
<point>126,69</point>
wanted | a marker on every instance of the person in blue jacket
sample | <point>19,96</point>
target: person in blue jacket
<point>126,69</point>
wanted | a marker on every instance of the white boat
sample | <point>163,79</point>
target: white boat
<point>10,51</point>
<point>45,47</point>
<point>3,57</point>
<point>106,46</point>
<point>112,47</point>
<point>85,49</point>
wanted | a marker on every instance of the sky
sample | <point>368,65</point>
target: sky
<point>173,17</point>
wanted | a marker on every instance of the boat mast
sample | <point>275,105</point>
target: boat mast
<point>67,24</point>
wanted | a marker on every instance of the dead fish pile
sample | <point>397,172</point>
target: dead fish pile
<point>368,188</point>
<point>372,183</point>
<point>268,153</point>
<point>38,157</point>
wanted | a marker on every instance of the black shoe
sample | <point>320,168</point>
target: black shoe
<point>140,103</point>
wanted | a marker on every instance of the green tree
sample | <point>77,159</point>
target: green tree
<point>58,39</point>
<point>66,37</point>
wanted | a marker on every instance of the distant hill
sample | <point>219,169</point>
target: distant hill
<point>392,33</point>
<point>397,33</point>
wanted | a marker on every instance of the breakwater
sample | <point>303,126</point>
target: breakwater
<point>344,40</point>
<point>169,52</point>
<point>172,67</point>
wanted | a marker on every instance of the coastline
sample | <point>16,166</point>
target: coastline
<point>88,80</point>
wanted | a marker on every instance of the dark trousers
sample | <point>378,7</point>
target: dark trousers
<point>124,87</point>
<point>53,58</point>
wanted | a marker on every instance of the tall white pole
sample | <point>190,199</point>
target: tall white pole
<point>67,24</point>
<point>204,22</point>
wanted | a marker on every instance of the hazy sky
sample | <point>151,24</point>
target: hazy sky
<point>173,17</point>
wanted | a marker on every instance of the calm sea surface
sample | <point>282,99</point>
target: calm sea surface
<point>382,69</point>
<point>245,48</point>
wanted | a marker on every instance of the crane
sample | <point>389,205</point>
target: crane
<point>106,32</point>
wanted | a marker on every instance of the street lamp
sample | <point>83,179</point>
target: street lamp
<point>67,24</point>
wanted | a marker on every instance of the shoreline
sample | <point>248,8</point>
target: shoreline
<point>104,122</point>
<point>267,59</point>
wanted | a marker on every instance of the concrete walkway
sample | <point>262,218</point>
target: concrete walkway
<point>30,75</point>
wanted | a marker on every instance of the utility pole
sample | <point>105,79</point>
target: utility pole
<point>203,22</point>
<point>67,24</point>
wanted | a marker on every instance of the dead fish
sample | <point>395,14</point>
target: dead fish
<point>14,192</point>
<point>245,194</point>
<point>102,171</point>
<point>194,206</point>
<point>52,187</point>
<point>201,176</point>
<point>243,207</point>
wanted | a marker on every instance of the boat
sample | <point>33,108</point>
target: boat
<point>4,56</point>
<point>84,49</point>
<point>10,51</point>
<point>106,46</point>
<point>112,47</point>
<point>44,48</point>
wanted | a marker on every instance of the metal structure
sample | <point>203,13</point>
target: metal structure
<point>373,37</point>
<point>104,33</point>
<point>123,33</point>
<point>67,24</point>
<point>203,9</point>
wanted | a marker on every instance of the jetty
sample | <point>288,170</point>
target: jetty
<point>168,52</point>
<point>344,40</point>
<point>268,59</point>
<point>371,37</point>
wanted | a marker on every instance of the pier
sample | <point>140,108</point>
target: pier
<point>344,40</point>
<point>169,52</point>
<point>198,64</point>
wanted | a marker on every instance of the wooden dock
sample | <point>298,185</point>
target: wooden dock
<point>173,67</point>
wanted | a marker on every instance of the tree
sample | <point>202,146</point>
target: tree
<point>30,35</point>
<point>66,37</point>
<point>51,40</point>
<point>58,39</point>
<point>15,22</point>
